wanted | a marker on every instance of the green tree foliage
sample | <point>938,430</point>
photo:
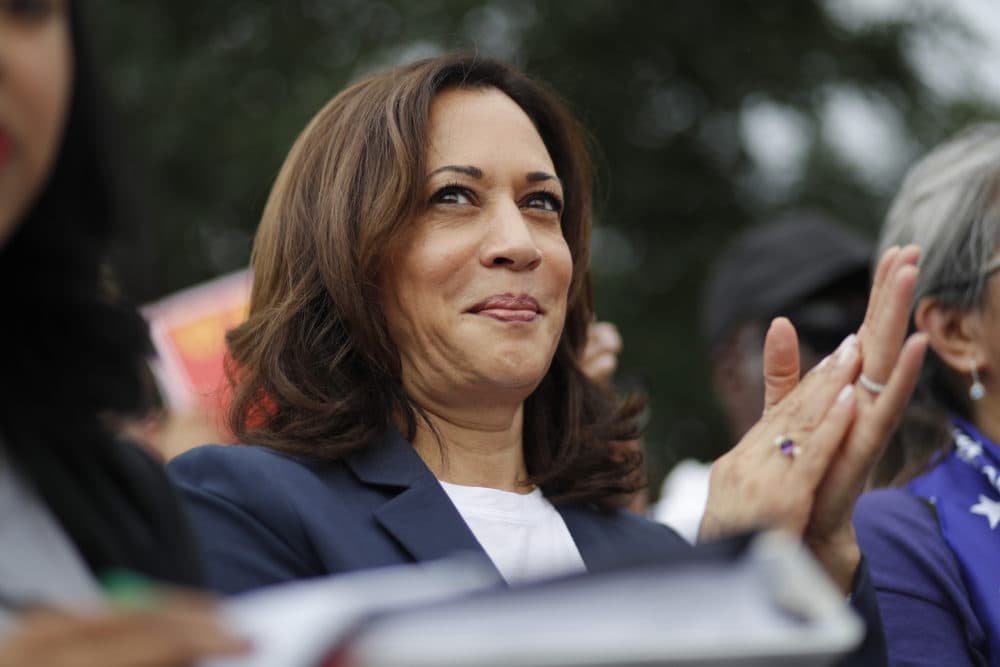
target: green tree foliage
<point>212,94</point>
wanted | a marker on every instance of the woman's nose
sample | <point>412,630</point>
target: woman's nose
<point>509,241</point>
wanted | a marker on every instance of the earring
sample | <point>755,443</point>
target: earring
<point>977,390</point>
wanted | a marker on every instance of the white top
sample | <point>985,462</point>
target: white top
<point>523,534</point>
<point>39,564</point>
<point>683,497</point>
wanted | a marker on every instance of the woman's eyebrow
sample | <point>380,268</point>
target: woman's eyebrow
<point>477,173</point>
<point>537,176</point>
<point>469,170</point>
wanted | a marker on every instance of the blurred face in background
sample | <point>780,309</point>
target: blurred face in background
<point>35,78</point>
<point>822,320</point>
<point>476,293</point>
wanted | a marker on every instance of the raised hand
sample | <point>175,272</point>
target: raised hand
<point>890,369</point>
<point>769,479</point>
<point>600,355</point>
<point>837,430</point>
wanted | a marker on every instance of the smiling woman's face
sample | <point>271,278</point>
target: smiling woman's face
<point>35,73</point>
<point>475,294</point>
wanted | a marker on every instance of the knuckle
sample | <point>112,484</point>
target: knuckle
<point>792,405</point>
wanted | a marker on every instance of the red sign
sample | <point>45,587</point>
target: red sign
<point>189,332</point>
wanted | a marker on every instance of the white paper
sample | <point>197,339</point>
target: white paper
<point>295,625</point>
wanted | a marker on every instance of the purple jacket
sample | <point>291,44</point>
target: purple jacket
<point>926,609</point>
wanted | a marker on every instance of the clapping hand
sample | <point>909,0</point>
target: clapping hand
<point>803,465</point>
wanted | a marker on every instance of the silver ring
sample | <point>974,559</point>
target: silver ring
<point>870,384</point>
<point>787,446</point>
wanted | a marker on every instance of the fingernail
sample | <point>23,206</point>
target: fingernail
<point>845,393</point>
<point>848,350</point>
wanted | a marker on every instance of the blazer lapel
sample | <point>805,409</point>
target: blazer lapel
<point>615,539</point>
<point>420,517</point>
<point>584,524</point>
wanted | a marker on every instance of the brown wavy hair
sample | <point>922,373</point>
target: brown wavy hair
<point>314,370</point>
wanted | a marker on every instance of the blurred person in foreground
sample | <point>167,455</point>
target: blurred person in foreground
<point>933,536</point>
<point>804,267</point>
<point>409,372</point>
<point>75,502</point>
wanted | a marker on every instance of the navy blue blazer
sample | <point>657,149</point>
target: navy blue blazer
<point>263,517</point>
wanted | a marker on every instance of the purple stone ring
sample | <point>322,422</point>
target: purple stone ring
<point>787,446</point>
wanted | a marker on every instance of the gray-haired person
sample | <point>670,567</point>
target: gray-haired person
<point>932,538</point>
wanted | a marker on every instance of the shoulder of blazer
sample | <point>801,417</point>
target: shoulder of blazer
<point>390,462</point>
<point>383,497</point>
<point>616,538</point>
<point>272,485</point>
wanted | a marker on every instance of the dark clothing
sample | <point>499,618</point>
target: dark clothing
<point>263,517</point>
<point>118,507</point>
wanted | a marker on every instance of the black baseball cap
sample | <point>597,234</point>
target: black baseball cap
<point>773,268</point>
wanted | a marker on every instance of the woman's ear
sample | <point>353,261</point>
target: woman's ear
<point>955,334</point>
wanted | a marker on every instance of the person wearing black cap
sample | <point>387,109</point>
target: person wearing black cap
<point>803,266</point>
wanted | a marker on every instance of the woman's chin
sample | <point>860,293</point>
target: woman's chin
<point>519,379</point>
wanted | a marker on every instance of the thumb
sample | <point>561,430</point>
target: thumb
<point>781,361</point>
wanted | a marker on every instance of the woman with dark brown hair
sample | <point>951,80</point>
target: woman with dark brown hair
<point>409,370</point>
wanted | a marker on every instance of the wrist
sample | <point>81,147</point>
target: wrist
<point>840,558</point>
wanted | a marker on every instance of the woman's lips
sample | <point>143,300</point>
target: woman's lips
<point>508,315</point>
<point>508,308</point>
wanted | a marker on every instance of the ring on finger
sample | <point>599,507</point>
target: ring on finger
<point>871,385</point>
<point>787,446</point>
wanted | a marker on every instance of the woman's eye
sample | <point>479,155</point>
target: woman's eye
<point>452,195</point>
<point>28,10</point>
<point>545,201</point>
